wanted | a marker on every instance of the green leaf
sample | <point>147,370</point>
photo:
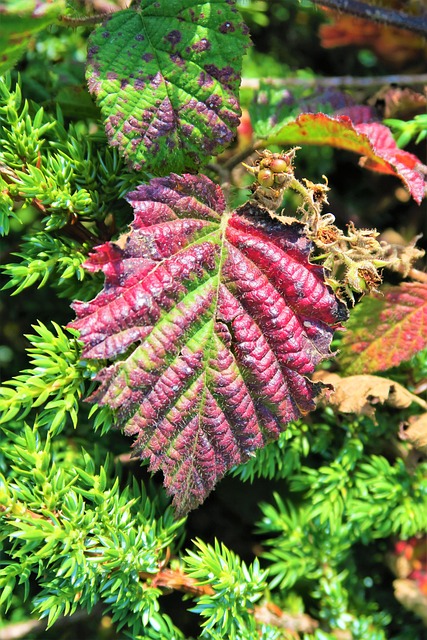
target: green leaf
<point>166,75</point>
<point>20,21</point>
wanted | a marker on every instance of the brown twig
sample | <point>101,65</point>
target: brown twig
<point>18,630</point>
<point>271,614</point>
<point>417,275</point>
<point>77,231</point>
<point>177,580</point>
<point>383,15</point>
<point>339,81</point>
<point>20,511</point>
<point>242,155</point>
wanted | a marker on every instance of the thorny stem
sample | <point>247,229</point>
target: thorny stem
<point>81,22</point>
<point>296,185</point>
<point>383,15</point>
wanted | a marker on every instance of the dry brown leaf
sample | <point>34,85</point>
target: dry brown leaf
<point>359,394</point>
<point>397,46</point>
<point>398,102</point>
<point>271,614</point>
<point>412,598</point>
<point>416,432</point>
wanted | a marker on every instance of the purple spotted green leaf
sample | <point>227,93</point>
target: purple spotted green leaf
<point>212,322</point>
<point>166,75</point>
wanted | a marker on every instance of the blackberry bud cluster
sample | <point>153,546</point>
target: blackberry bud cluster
<point>273,172</point>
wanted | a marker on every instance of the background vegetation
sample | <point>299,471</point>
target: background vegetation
<point>304,541</point>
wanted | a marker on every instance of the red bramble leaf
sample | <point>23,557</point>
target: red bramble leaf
<point>385,330</point>
<point>373,141</point>
<point>213,321</point>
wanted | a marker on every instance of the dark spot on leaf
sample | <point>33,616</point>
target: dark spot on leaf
<point>139,37</point>
<point>115,119</point>
<point>92,51</point>
<point>194,157</point>
<point>205,80</point>
<point>222,133</point>
<point>112,75</point>
<point>227,27</point>
<point>214,102</point>
<point>174,37</point>
<point>187,129</point>
<point>201,45</point>
<point>127,127</point>
<point>226,76</point>
<point>139,84</point>
<point>177,59</point>
<point>124,83</point>
<point>106,34</point>
<point>147,57</point>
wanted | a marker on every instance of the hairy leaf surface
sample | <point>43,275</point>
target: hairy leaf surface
<point>371,140</point>
<point>214,320</point>
<point>385,330</point>
<point>166,74</point>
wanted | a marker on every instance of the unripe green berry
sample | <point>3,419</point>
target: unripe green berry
<point>265,178</point>
<point>278,165</point>
<point>281,178</point>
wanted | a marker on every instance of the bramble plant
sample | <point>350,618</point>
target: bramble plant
<point>198,310</point>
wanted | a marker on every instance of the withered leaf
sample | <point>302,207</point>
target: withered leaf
<point>359,394</point>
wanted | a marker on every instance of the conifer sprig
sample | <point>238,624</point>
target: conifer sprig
<point>52,387</point>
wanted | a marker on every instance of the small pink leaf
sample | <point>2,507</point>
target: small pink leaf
<point>371,140</point>
<point>385,330</point>
<point>213,321</point>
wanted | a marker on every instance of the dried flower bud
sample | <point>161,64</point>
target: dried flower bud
<point>328,235</point>
<point>362,277</point>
